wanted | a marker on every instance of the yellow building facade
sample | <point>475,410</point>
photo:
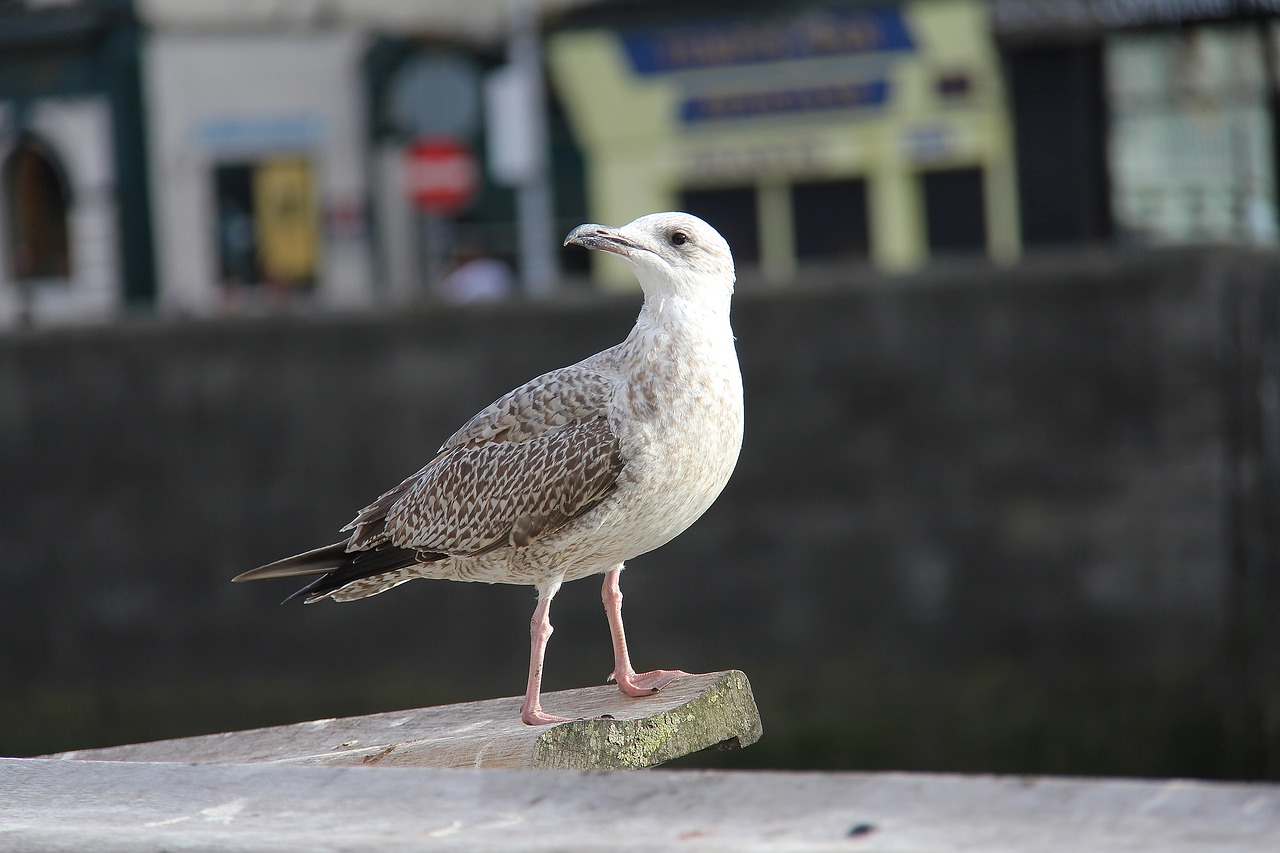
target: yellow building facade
<point>879,99</point>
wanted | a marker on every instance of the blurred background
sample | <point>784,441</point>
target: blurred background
<point>1008,314</point>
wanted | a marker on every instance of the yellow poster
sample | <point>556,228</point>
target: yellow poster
<point>285,218</point>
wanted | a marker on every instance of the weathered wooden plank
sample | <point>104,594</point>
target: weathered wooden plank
<point>617,733</point>
<point>126,806</point>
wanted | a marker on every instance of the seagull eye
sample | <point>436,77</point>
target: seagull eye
<point>679,238</point>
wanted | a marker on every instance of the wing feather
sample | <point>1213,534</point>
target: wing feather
<point>524,466</point>
<point>552,401</point>
<point>477,497</point>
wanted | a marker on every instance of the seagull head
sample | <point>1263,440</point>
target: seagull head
<point>672,254</point>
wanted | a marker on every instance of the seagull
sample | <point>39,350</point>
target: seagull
<point>577,471</point>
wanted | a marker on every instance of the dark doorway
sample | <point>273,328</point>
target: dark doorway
<point>36,203</point>
<point>955,213</point>
<point>237,250</point>
<point>1060,129</point>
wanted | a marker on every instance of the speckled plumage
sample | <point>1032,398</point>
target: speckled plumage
<point>582,468</point>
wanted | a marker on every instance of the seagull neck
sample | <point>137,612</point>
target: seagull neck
<point>670,312</point>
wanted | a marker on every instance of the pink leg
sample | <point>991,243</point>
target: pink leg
<point>630,683</point>
<point>539,632</point>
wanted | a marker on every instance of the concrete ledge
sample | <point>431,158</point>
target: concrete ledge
<point>50,805</point>
<point>691,714</point>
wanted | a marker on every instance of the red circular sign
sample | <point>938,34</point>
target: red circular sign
<point>441,175</point>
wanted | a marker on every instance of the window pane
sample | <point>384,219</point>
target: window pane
<point>831,221</point>
<point>732,212</point>
<point>1191,136</point>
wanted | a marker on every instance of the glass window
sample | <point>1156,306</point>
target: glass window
<point>955,215</point>
<point>1191,142</point>
<point>732,212</point>
<point>831,221</point>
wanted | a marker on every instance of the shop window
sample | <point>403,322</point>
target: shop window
<point>1191,146</point>
<point>36,207</point>
<point>732,212</point>
<point>955,214</point>
<point>830,219</point>
<point>267,224</point>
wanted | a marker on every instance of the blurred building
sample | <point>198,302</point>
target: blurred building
<point>75,238</point>
<point>203,156</point>
<point>281,134</point>
<point>264,144</point>
<point>824,133</point>
<point>808,133</point>
<point>1143,123</point>
<point>258,152</point>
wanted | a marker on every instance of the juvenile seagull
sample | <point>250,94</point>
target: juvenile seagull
<point>577,471</point>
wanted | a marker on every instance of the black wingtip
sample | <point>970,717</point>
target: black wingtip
<point>357,565</point>
<point>296,594</point>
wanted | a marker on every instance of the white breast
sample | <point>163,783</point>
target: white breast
<point>680,421</point>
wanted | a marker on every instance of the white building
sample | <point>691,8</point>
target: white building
<point>59,230</point>
<point>220,159</point>
<point>257,167</point>
<point>266,180</point>
<point>74,229</point>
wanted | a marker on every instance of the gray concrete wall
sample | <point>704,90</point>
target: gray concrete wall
<point>1014,520</point>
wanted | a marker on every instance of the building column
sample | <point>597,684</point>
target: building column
<point>776,223</point>
<point>898,239</point>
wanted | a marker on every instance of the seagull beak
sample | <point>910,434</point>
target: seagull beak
<point>599,237</point>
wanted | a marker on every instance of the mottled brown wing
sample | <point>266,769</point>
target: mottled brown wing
<point>552,401</point>
<point>557,413</point>
<point>481,495</point>
<point>478,496</point>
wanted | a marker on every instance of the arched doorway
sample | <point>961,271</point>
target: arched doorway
<point>36,203</point>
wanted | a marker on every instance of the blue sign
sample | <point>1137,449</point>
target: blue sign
<point>250,134</point>
<point>841,96</point>
<point>834,32</point>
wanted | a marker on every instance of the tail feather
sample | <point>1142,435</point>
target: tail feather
<point>310,563</point>
<point>338,567</point>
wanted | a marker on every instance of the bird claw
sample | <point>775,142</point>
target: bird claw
<point>647,683</point>
<point>539,717</point>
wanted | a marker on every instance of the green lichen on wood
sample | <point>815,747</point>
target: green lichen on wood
<point>725,711</point>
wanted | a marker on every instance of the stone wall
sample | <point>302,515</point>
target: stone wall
<point>1011,520</point>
